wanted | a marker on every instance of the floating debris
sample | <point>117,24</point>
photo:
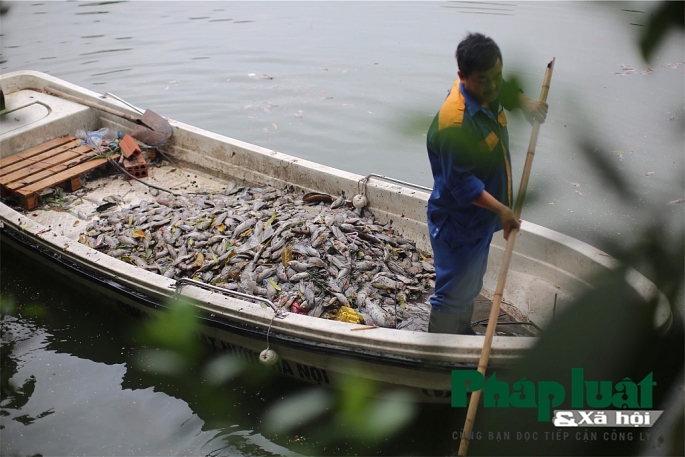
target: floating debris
<point>308,253</point>
<point>625,70</point>
<point>255,76</point>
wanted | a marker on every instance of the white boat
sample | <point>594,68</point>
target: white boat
<point>548,269</point>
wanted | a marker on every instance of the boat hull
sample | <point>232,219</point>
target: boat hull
<point>548,269</point>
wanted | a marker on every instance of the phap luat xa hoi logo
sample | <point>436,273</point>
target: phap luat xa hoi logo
<point>589,400</point>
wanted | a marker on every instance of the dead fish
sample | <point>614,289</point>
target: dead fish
<point>310,295</point>
<point>383,282</point>
<point>317,311</point>
<point>109,241</point>
<point>339,246</point>
<point>315,197</point>
<point>138,261</point>
<point>244,226</point>
<point>265,274</point>
<point>299,276</point>
<point>376,314</point>
<point>317,262</point>
<point>319,240</point>
<point>218,220</point>
<point>343,273</point>
<point>427,266</point>
<point>280,273</point>
<point>337,260</point>
<point>343,246</point>
<point>342,299</point>
<point>397,268</point>
<point>271,291</point>
<point>365,265</point>
<point>127,241</point>
<point>404,279</point>
<point>182,258</point>
<point>338,202</point>
<point>299,266</point>
<point>300,249</point>
<point>105,207</point>
<point>204,225</point>
<point>197,236</point>
<point>349,228</point>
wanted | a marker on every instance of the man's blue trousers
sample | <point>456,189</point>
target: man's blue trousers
<point>459,271</point>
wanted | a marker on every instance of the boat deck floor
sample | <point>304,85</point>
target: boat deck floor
<point>68,214</point>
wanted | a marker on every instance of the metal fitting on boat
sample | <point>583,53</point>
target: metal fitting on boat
<point>360,201</point>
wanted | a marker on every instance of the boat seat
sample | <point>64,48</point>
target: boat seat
<point>58,162</point>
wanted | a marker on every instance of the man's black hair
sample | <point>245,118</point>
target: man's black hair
<point>477,52</point>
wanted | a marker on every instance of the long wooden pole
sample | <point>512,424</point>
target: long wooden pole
<point>504,269</point>
<point>106,109</point>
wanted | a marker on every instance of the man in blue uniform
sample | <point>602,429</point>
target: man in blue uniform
<point>468,148</point>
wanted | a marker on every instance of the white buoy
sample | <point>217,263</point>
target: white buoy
<point>359,201</point>
<point>268,357</point>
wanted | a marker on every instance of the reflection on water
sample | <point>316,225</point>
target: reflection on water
<point>67,388</point>
<point>15,393</point>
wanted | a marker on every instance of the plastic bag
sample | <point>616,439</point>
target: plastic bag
<point>93,139</point>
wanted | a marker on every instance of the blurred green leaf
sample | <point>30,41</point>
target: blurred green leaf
<point>223,369</point>
<point>598,157</point>
<point>668,15</point>
<point>161,361</point>
<point>387,415</point>
<point>34,310</point>
<point>354,393</point>
<point>7,305</point>
<point>413,125</point>
<point>297,410</point>
<point>176,329</point>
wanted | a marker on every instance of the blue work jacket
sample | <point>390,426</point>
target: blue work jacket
<point>468,149</point>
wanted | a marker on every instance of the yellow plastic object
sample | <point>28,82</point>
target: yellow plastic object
<point>347,314</point>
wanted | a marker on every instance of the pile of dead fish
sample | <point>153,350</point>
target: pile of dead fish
<point>308,253</point>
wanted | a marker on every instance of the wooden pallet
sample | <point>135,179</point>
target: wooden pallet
<point>59,162</point>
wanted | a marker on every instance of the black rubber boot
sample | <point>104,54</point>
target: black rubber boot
<point>451,323</point>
